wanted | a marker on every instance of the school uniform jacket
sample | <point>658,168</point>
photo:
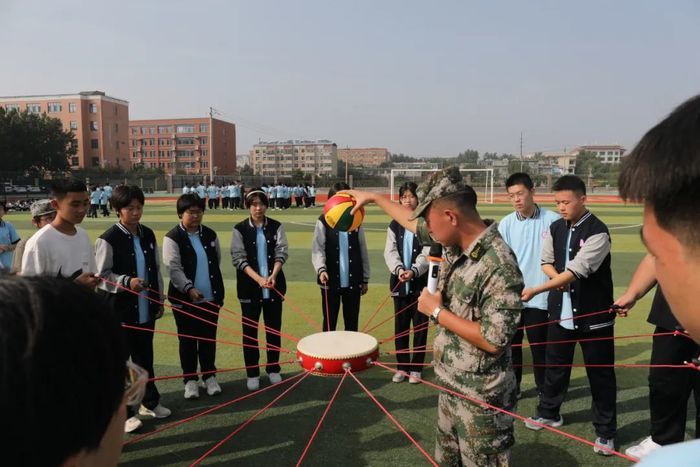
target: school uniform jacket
<point>393,256</point>
<point>325,255</point>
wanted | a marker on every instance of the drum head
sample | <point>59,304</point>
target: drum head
<point>332,352</point>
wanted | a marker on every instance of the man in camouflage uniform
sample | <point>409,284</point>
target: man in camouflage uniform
<point>477,309</point>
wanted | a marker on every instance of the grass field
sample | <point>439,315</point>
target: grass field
<point>356,432</point>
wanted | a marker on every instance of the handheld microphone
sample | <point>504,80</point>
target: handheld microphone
<point>434,258</point>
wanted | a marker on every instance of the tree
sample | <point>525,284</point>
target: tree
<point>246,170</point>
<point>34,143</point>
<point>470,156</point>
<point>588,163</point>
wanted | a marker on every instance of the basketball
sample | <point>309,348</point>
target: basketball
<point>337,213</point>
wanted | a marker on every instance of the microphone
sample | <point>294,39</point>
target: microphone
<point>434,258</point>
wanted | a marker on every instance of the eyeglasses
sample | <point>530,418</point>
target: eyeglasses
<point>135,384</point>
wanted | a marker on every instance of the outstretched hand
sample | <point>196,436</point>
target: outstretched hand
<point>362,198</point>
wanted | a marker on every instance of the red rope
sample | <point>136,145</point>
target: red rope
<point>546,323</point>
<point>225,370</point>
<point>249,421</point>
<point>297,310</point>
<point>245,321</point>
<point>328,313</point>
<point>392,316</point>
<point>514,415</point>
<point>320,422</point>
<point>415,329</point>
<point>210,410</point>
<point>592,339</point>
<point>381,305</point>
<point>391,417</point>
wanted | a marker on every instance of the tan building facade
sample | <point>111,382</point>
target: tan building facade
<point>364,157</point>
<point>607,154</point>
<point>284,158</point>
<point>99,122</point>
<point>192,146</point>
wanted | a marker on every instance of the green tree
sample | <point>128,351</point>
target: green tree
<point>470,156</point>
<point>34,143</point>
<point>587,162</point>
<point>246,170</point>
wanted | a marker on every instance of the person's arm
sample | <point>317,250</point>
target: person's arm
<point>365,260</point>
<point>643,280</point>
<point>396,211</point>
<point>14,238</point>
<point>173,263</point>
<point>421,265</point>
<point>281,255</point>
<point>104,260</point>
<point>391,254</point>
<point>547,257</point>
<point>35,260</point>
<point>240,259</point>
<point>217,247</point>
<point>318,251</point>
<point>17,258</point>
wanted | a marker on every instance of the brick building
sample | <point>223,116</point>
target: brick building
<point>98,121</point>
<point>283,158</point>
<point>364,157</point>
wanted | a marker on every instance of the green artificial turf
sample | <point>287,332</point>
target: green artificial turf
<point>356,432</point>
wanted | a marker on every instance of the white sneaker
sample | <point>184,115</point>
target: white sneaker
<point>132,424</point>
<point>213,387</point>
<point>274,378</point>
<point>398,378</point>
<point>643,449</point>
<point>253,383</point>
<point>543,421</point>
<point>191,390</point>
<point>156,412</point>
<point>604,442</point>
<point>414,377</point>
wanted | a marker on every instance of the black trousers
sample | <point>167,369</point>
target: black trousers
<point>139,347</point>
<point>670,388</point>
<point>602,381</point>
<point>224,202</point>
<point>402,322</point>
<point>210,202</point>
<point>350,298</point>
<point>528,317</point>
<point>93,210</point>
<point>192,349</point>
<point>272,315</point>
<point>298,200</point>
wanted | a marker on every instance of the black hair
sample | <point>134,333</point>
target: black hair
<point>62,368</point>
<point>123,195</point>
<point>408,186</point>
<point>663,171</point>
<point>259,195</point>
<point>570,183</point>
<point>190,200</point>
<point>464,200</point>
<point>338,186</point>
<point>520,178</point>
<point>60,188</point>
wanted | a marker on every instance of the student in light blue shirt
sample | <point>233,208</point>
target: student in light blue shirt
<point>8,240</point>
<point>524,230</point>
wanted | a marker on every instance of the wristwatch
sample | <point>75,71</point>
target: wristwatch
<point>435,314</point>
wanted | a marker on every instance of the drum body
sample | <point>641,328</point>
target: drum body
<point>331,353</point>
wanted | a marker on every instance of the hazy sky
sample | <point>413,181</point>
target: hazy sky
<point>418,77</point>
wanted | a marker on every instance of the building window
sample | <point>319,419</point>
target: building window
<point>116,128</point>
<point>55,107</point>
<point>116,145</point>
<point>184,141</point>
<point>34,108</point>
<point>151,130</point>
<point>205,152</point>
<point>93,108</point>
<point>134,131</point>
<point>116,110</point>
<point>93,125</point>
<point>202,127</point>
<point>203,140</point>
<point>185,153</point>
<point>165,129</point>
<point>93,144</point>
<point>74,160</point>
<point>73,125</point>
<point>9,107</point>
<point>72,107</point>
<point>184,129</point>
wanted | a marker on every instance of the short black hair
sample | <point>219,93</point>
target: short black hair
<point>570,183</point>
<point>408,186</point>
<point>123,195</point>
<point>190,200</point>
<point>663,171</point>
<point>62,368</point>
<point>338,186</point>
<point>258,194</point>
<point>60,188</point>
<point>465,200</point>
<point>520,178</point>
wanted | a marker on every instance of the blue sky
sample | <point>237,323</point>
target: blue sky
<point>421,78</point>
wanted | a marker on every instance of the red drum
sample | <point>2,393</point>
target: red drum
<point>331,353</point>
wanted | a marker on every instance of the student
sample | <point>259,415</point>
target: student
<point>192,255</point>
<point>201,191</point>
<point>186,189</point>
<point>8,240</point>
<point>524,230</point>
<point>62,248</point>
<point>94,201</point>
<point>663,172</point>
<point>341,262</point>
<point>576,258</point>
<point>259,249</point>
<point>108,194</point>
<point>235,195</point>
<point>225,193</point>
<point>42,213</point>
<point>273,197</point>
<point>104,199</point>
<point>407,262</point>
<point>212,196</point>
<point>127,254</point>
<point>62,375</point>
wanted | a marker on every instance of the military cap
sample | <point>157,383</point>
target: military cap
<point>440,184</point>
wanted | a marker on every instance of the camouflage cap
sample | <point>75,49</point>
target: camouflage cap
<point>439,185</point>
<point>41,207</point>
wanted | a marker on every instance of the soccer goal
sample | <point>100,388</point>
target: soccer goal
<point>479,179</point>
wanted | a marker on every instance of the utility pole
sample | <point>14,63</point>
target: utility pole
<point>346,164</point>
<point>211,145</point>
<point>521,151</point>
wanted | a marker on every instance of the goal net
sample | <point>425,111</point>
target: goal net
<point>479,179</point>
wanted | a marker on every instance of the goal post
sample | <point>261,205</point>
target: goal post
<point>479,179</point>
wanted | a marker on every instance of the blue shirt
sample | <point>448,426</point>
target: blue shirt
<point>201,278</point>
<point>678,455</point>
<point>141,272</point>
<point>344,247</point>
<point>108,190</point>
<point>261,246</point>
<point>95,197</point>
<point>201,191</point>
<point>8,236</point>
<point>525,236</point>
<point>566,307</point>
<point>407,252</point>
<point>212,191</point>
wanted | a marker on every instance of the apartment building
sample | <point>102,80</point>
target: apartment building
<point>283,158</point>
<point>192,146</point>
<point>99,122</point>
<point>607,153</point>
<point>364,157</point>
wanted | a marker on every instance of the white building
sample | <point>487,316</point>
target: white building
<point>283,158</point>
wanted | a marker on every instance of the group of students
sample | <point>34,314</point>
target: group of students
<point>99,198</point>
<point>228,195</point>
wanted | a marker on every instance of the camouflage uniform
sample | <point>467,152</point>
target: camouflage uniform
<point>482,284</point>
